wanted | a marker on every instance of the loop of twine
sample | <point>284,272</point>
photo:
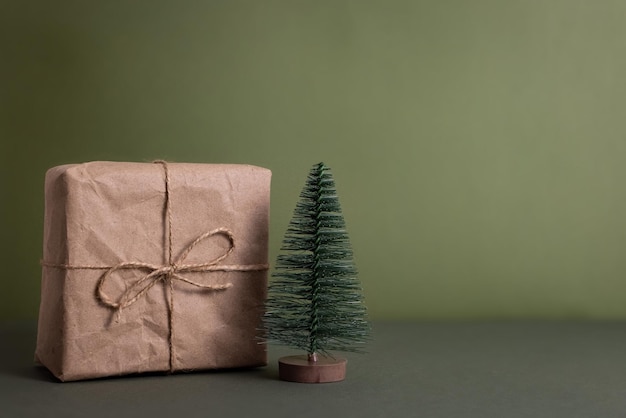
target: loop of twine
<point>168,272</point>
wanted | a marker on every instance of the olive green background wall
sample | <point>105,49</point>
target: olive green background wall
<point>478,146</point>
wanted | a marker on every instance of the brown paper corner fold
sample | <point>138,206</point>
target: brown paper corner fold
<point>197,308</point>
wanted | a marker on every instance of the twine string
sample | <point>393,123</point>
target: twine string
<point>171,267</point>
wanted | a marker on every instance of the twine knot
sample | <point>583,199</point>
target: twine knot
<point>167,269</point>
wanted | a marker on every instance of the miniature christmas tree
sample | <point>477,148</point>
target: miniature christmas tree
<point>314,301</point>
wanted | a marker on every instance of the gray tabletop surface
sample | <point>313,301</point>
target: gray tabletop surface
<point>412,369</point>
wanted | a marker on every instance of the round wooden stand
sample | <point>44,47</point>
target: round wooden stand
<point>302,370</point>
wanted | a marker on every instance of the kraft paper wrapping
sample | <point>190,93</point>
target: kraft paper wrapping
<point>106,213</point>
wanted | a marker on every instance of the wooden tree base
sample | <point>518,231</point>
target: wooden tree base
<point>300,369</point>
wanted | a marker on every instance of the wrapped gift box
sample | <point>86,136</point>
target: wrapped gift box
<point>152,267</point>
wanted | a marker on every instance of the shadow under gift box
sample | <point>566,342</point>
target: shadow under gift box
<point>105,214</point>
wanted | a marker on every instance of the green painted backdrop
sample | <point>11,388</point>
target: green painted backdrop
<point>479,146</point>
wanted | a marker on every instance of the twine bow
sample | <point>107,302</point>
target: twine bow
<point>170,271</point>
